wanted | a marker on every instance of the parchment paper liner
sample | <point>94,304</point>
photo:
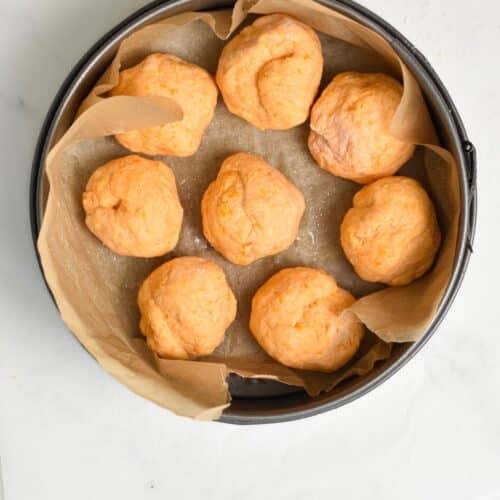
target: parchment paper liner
<point>95,290</point>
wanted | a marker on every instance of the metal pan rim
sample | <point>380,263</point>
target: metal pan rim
<point>427,77</point>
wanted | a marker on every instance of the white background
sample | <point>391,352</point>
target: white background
<point>69,431</point>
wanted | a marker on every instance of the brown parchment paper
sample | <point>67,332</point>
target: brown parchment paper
<point>96,290</point>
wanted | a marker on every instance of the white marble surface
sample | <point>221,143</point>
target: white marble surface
<point>68,430</point>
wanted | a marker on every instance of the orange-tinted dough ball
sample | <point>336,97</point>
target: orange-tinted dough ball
<point>251,210</point>
<point>350,125</point>
<point>297,318</point>
<point>270,72</point>
<point>186,306</point>
<point>189,85</point>
<point>132,206</point>
<point>391,234</point>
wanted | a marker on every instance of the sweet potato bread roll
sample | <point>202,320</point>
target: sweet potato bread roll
<point>270,72</point>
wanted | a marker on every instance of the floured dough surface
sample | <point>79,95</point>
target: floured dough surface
<point>350,125</point>
<point>132,206</point>
<point>251,210</point>
<point>297,319</point>
<point>189,85</point>
<point>186,306</point>
<point>270,72</point>
<point>391,234</point>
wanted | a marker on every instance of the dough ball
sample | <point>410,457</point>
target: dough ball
<point>189,85</point>
<point>391,234</point>
<point>251,210</point>
<point>297,319</point>
<point>132,206</point>
<point>186,306</point>
<point>350,125</point>
<point>270,72</point>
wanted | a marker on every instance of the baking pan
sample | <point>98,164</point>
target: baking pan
<point>258,401</point>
